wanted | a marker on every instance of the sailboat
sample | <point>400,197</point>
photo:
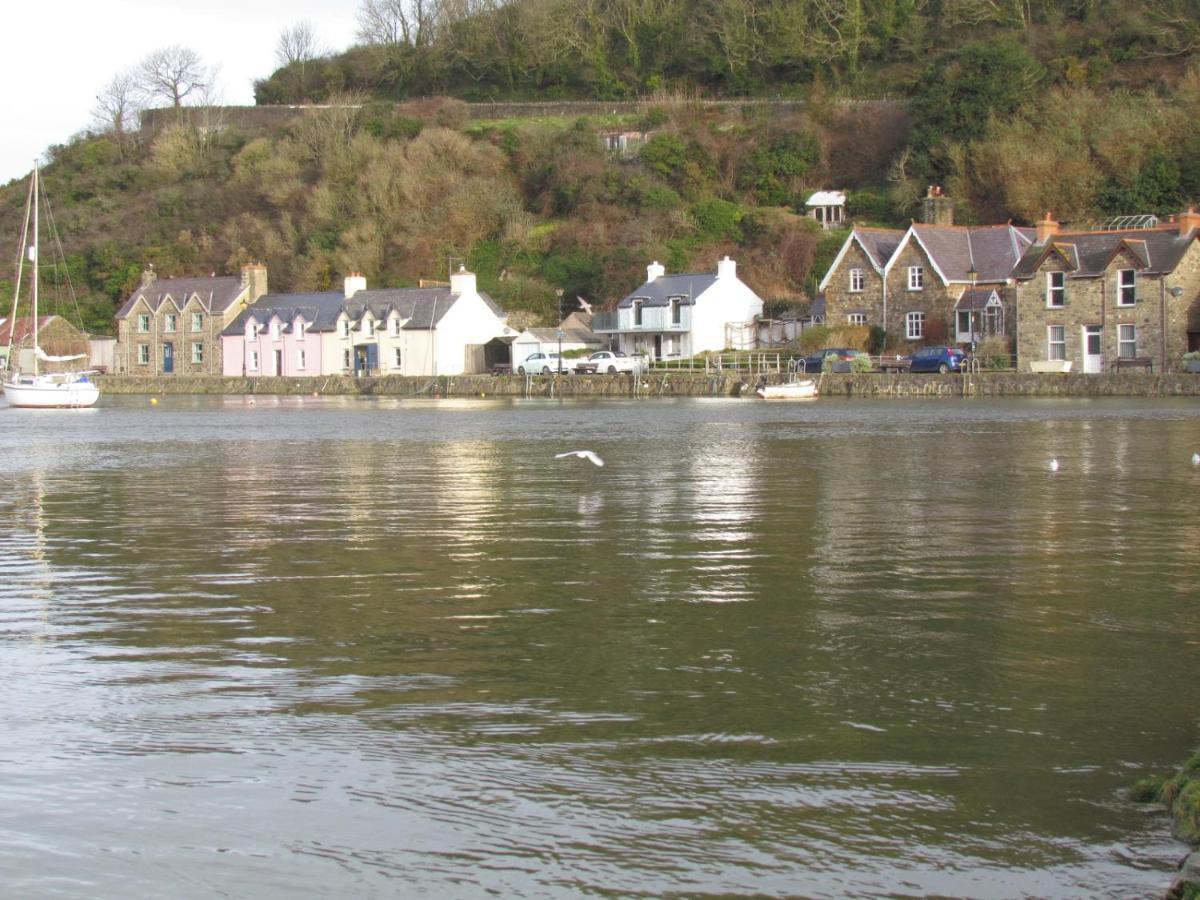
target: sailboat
<point>36,389</point>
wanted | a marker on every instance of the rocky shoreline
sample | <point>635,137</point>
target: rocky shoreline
<point>670,384</point>
<point>1180,795</point>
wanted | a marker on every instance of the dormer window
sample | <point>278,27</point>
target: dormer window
<point>143,323</point>
<point>197,321</point>
<point>301,328</point>
<point>366,325</point>
<point>275,331</point>
<point>916,278</point>
<point>637,312</point>
<point>252,330</point>
<point>394,326</point>
<point>676,311</point>
<point>856,281</point>
<point>171,323</point>
<point>1126,287</point>
<point>343,328</point>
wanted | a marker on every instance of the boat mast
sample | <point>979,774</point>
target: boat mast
<point>36,188</point>
<point>10,364</point>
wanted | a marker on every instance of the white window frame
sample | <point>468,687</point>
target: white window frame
<point>856,318</point>
<point>343,328</point>
<point>366,326</point>
<point>275,331</point>
<point>916,278</point>
<point>1056,342</point>
<point>1126,341</point>
<point>197,321</point>
<point>398,359</point>
<point>1056,288</point>
<point>143,323</point>
<point>637,313</point>
<point>346,361</point>
<point>914,325</point>
<point>301,359</point>
<point>143,354</point>
<point>1126,287</point>
<point>171,322</point>
<point>857,281</point>
<point>301,329</point>
<point>197,353</point>
<point>394,326</point>
<point>252,364</point>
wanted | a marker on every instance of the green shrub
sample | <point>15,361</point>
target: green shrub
<point>718,220</point>
<point>994,352</point>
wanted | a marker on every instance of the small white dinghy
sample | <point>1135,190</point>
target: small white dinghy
<point>800,389</point>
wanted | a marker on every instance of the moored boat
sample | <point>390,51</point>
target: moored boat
<point>800,389</point>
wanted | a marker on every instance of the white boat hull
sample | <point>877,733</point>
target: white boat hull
<point>795,390</point>
<point>50,392</point>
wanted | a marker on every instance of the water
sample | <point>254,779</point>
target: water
<point>372,647</point>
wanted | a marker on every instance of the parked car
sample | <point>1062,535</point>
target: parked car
<point>936,359</point>
<point>545,363</point>
<point>816,362</point>
<point>610,361</point>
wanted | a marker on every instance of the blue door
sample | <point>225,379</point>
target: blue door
<point>168,358</point>
<point>372,358</point>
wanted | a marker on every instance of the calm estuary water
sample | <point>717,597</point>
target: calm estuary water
<point>346,647</point>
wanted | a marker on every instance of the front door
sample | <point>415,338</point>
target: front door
<point>1093,348</point>
<point>168,358</point>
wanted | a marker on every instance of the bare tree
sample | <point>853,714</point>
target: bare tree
<point>173,73</point>
<point>298,44</point>
<point>397,21</point>
<point>116,105</point>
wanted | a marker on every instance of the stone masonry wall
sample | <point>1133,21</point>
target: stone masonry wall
<point>840,301</point>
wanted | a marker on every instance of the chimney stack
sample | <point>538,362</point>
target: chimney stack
<point>655,270</point>
<point>937,208</point>
<point>148,276</point>
<point>1188,221</point>
<point>254,277</point>
<point>1046,229</point>
<point>355,282</point>
<point>726,268</point>
<point>462,281</point>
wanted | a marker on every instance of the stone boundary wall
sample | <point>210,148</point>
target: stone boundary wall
<point>658,384</point>
<point>272,118</point>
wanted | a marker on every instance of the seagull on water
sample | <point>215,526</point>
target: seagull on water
<point>582,454</point>
<point>1054,465</point>
<point>1196,459</point>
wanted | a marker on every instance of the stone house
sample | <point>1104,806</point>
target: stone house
<point>931,283</point>
<point>1092,300</point>
<point>173,325</point>
<point>684,315</point>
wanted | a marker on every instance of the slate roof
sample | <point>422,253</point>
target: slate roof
<point>422,307</point>
<point>879,243</point>
<point>217,293</point>
<point>991,250</point>
<point>578,335</point>
<point>659,292</point>
<point>1159,250</point>
<point>977,298</point>
<point>827,198</point>
<point>319,310</point>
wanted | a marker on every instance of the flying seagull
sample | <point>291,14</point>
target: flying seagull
<point>582,454</point>
<point>584,305</point>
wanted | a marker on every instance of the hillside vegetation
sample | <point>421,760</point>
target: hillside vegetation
<point>1086,110</point>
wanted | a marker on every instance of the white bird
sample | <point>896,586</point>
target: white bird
<point>1054,465</point>
<point>584,305</point>
<point>582,454</point>
<point>1196,459</point>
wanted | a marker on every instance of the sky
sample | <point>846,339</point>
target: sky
<point>56,58</point>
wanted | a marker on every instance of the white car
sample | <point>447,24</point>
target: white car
<point>545,363</point>
<point>610,361</point>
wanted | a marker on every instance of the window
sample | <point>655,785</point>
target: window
<point>916,278</point>
<point>1126,341</point>
<point>1126,287</point>
<point>143,354</point>
<point>1056,336</point>
<point>857,318</point>
<point>856,281</point>
<point>914,325</point>
<point>172,322</point>
<point>345,359</point>
<point>197,321</point>
<point>253,361</point>
<point>252,330</point>
<point>275,330</point>
<point>366,325</point>
<point>301,327</point>
<point>143,323</point>
<point>637,312</point>
<point>1056,289</point>
<point>675,311</point>
<point>197,353</point>
<point>300,359</point>
<point>964,324</point>
<point>397,362</point>
<point>343,328</point>
<point>394,326</point>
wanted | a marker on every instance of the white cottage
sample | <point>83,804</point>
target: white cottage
<point>684,315</point>
<point>828,208</point>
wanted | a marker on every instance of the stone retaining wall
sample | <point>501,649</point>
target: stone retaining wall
<point>989,384</point>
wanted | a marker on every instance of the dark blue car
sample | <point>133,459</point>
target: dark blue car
<point>936,359</point>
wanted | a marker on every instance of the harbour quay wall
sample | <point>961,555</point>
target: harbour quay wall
<point>669,384</point>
